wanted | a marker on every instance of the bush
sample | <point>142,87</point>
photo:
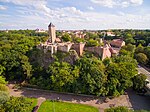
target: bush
<point>17,104</point>
<point>3,87</point>
<point>118,109</point>
<point>4,96</point>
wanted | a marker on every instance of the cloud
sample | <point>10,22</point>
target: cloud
<point>39,5</point>
<point>90,8</point>
<point>113,3</point>
<point>136,2</point>
<point>37,14</point>
<point>3,7</point>
<point>106,3</point>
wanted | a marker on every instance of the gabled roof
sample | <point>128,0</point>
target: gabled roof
<point>117,42</point>
<point>51,25</point>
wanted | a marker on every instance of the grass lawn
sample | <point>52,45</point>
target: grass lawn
<point>33,100</point>
<point>49,106</point>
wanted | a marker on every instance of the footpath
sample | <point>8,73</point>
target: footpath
<point>42,95</point>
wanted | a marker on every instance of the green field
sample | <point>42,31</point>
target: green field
<point>49,106</point>
<point>33,100</point>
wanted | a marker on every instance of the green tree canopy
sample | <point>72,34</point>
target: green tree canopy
<point>17,104</point>
<point>139,49</point>
<point>92,78</point>
<point>139,81</point>
<point>92,43</point>
<point>66,37</point>
<point>61,73</point>
<point>120,73</point>
<point>141,58</point>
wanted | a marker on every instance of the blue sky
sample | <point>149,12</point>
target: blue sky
<point>75,14</point>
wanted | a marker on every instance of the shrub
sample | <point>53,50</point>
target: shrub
<point>118,109</point>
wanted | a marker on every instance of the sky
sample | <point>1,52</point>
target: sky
<point>75,14</point>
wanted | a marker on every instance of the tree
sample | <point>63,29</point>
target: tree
<point>130,47</point>
<point>129,38</point>
<point>2,68</point>
<point>139,49</point>
<point>4,96</point>
<point>139,81</point>
<point>130,41</point>
<point>92,78</point>
<point>147,52</point>
<point>61,74</point>
<point>142,42</point>
<point>14,48</point>
<point>127,50</point>
<point>119,74</point>
<point>78,40</point>
<point>124,52</point>
<point>3,83</point>
<point>141,58</point>
<point>91,35</point>
<point>107,61</point>
<point>92,43</point>
<point>123,59</point>
<point>66,37</point>
<point>2,80</point>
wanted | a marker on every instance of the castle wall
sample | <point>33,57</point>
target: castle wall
<point>64,47</point>
<point>97,50</point>
<point>106,53</point>
<point>78,47</point>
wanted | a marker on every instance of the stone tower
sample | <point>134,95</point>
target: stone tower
<point>52,33</point>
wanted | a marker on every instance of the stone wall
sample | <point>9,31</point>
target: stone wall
<point>78,47</point>
<point>105,53</point>
<point>65,47</point>
<point>97,50</point>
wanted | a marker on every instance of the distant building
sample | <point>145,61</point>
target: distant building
<point>148,44</point>
<point>110,34</point>
<point>117,43</point>
<point>79,34</point>
<point>39,30</point>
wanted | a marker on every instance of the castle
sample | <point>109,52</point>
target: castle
<point>54,44</point>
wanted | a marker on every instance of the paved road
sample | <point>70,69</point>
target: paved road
<point>144,71</point>
<point>138,102</point>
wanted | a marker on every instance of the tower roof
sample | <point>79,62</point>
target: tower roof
<point>51,25</point>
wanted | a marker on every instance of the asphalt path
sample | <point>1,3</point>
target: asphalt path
<point>144,71</point>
